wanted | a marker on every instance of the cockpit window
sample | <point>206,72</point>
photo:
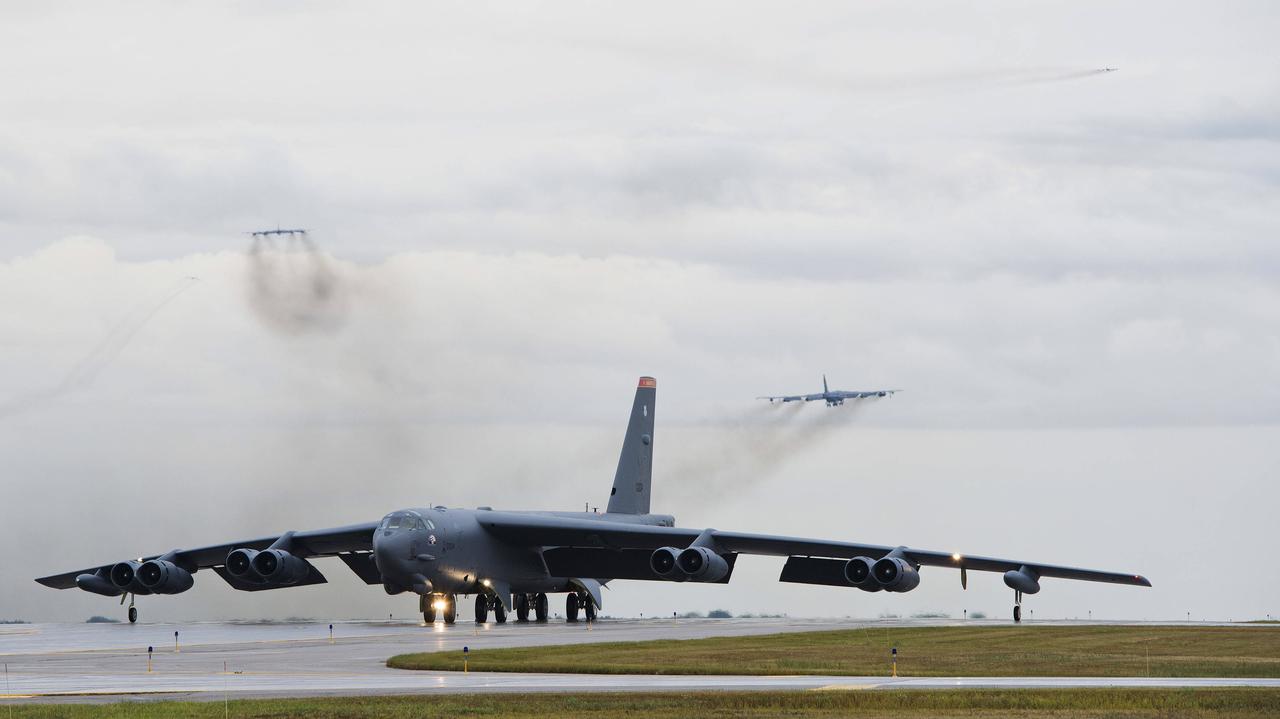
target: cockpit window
<point>406,520</point>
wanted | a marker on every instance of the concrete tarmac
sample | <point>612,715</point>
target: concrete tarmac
<point>108,662</point>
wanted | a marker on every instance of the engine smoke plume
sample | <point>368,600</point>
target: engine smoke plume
<point>293,287</point>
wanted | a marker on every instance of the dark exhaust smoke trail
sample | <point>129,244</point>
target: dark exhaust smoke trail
<point>731,455</point>
<point>293,286</point>
<point>84,372</point>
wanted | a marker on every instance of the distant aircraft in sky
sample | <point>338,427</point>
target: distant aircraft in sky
<point>1110,69</point>
<point>833,398</point>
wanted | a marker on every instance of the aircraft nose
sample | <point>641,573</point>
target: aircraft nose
<point>389,561</point>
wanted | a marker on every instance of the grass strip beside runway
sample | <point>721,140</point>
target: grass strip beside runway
<point>1034,651</point>
<point>1057,703</point>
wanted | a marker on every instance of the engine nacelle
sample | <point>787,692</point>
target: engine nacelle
<point>124,575</point>
<point>277,566</point>
<point>895,574</point>
<point>1023,579</point>
<point>702,564</point>
<point>240,564</point>
<point>857,571</point>
<point>663,564</point>
<point>164,577</point>
<point>98,584</point>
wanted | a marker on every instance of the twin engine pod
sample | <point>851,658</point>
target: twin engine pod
<point>696,564</point>
<point>270,566</point>
<point>157,576</point>
<point>891,574</point>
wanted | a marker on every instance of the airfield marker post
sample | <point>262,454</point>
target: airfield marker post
<point>465,652</point>
<point>331,634</point>
<point>894,654</point>
<point>176,648</point>
<point>149,650</point>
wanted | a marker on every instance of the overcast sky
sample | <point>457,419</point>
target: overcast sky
<point>520,208</point>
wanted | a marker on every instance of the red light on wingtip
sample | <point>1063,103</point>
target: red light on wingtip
<point>648,382</point>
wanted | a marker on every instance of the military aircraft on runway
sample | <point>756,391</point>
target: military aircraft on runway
<point>833,398</point>
<point>512,560</point>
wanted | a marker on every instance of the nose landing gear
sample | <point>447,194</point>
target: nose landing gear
<point>448,609</point>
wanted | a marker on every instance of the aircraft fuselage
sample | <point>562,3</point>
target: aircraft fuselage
<point>445,550</point>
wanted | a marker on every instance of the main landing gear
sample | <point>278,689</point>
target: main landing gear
<point>449,608</point>
<point>485,602</point>
<point>577,600</point>
<point>536,602</point>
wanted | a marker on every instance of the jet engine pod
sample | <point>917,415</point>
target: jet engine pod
<point>896,574</point>
<point>98,584</point>
<point>1023,579</point>
<point>277,566</point>
<point>124,575</point>
<point>663,564</point>
<point>857,571</point>
<point>240,564</point>
<point>702,564</point>
<point>164,577</point>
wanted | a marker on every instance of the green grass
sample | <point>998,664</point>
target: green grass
<point>1058,703</point>
<point>1085,651</point>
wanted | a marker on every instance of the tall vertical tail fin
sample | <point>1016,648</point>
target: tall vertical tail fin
<point>824,384</point>
<point>633,480</point>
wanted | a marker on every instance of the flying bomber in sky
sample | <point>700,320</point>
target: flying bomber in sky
<point>512,560</point>
<point>833,398</point>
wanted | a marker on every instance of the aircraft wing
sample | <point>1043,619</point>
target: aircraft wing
<point>313,543</point>
<point>785,398</point>
<point>604,534</point>
<point>843,394</point>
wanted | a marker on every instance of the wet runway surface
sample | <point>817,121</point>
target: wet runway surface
<point>108,662</point>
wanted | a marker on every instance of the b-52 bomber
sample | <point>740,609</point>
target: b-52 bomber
<point>511,561</point>
<point>833,397</point>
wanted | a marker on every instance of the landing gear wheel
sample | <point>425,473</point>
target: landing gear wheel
<point>589,606</point>
<point>522,608</point>
<point>450,608</point>
<point>540,608</point>
<point>482,609</point>
<point>133,615</point>
<point>1017,613</point>
<point>429,609</point>
<point>571,608</point>
<point>499,612</point>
